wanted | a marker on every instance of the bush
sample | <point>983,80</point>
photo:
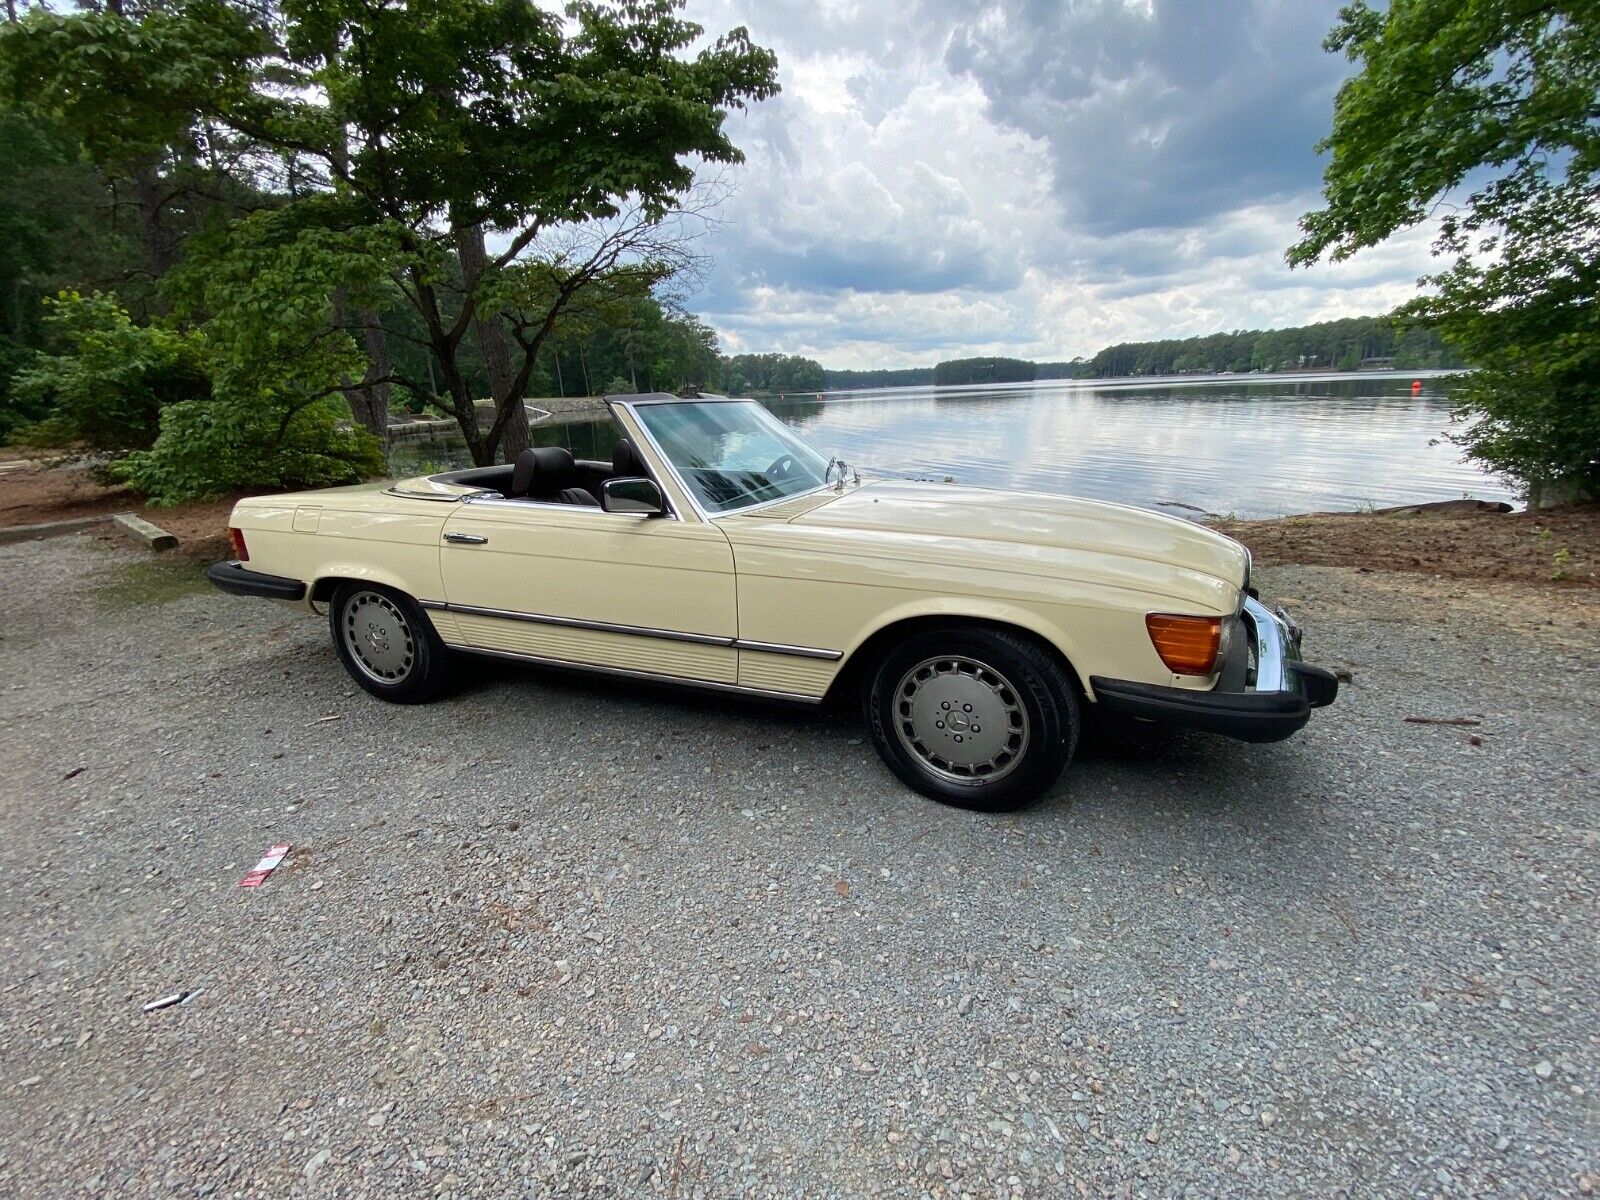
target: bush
<point>15,410</point>
<point>1538,424</point>
<point>107,393</point>
<point>209,448</point>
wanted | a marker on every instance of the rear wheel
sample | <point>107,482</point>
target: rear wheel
<point>977,718</point>
<point>387,643</point>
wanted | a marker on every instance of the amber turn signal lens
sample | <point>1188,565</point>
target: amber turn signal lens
<point>240,550</point>
<point>1188,645</point>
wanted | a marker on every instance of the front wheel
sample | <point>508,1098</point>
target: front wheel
<point>387,643</point>
<point>976,718</point>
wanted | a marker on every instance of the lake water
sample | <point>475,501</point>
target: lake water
<point>1242,445</point>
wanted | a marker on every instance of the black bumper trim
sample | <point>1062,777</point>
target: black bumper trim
<point>1244,716</point>
<point>239,581</point>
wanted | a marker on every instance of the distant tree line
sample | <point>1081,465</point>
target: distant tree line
<point>1327,346</point>
<point>771,374</point>
<point>902,377</point>
<point>957,371</point>
<point>1344,345</point>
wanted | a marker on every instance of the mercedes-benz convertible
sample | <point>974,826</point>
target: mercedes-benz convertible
<point>717,550</point>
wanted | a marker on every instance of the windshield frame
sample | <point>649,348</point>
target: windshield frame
<point>633,403</point>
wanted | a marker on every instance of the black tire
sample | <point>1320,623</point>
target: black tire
<point>1027,696</point>
<point>387,643</point>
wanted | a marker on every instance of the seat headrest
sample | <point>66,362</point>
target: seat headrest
<point>625,460</point>
<point>542,469</point>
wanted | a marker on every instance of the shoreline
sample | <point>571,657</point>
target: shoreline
<point>1553,548</point>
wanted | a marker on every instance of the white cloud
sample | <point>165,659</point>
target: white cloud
<point>1034,179</point>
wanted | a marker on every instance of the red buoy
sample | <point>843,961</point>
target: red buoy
<point>1416,386</point>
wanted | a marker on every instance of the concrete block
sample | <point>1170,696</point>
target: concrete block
<point>146,534</point>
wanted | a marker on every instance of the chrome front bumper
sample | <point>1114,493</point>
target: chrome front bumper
<point>1275,662</point>
<point>1278,690</point>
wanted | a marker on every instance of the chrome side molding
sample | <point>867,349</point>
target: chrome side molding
<point>645,631</point>
<point>793,651</point>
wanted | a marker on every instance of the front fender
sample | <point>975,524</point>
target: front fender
<point>1093,640</point>
<point>976,608</point>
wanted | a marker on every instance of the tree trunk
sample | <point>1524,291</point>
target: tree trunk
<point>369,399</point>
<point>158,240</point>
<point>444,347</point>
<point>514,436</point>
<point>375,387</point>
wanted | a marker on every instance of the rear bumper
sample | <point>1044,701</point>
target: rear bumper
<point>1280,690</point>
<point>237,580</point>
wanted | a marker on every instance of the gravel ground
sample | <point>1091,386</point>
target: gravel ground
<point>554,938</point>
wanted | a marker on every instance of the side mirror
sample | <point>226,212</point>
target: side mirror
<point>635,495</point>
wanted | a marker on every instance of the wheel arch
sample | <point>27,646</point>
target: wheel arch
<point>861,657</point>
<point>327,582</point>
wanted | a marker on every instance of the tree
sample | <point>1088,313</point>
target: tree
<point>771,374</point>
<point>1487,112</point>
<point>984,370</point>
<point>569,144</point>
<point>516,165</point>
<point>279,367</point>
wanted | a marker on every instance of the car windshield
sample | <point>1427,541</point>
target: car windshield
<point>732,453</point>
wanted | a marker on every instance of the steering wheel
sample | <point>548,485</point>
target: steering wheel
<point>781,467</point>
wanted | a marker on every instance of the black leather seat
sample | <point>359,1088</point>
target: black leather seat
<point>626,463</point>
<point>548,473</point>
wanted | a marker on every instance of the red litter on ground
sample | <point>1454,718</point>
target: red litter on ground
<point>258,874</point>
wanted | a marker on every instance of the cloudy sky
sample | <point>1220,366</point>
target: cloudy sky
<point>1038,178</point>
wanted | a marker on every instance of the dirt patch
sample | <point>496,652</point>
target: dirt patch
<point>1558,547</point>
<point>39,494</point>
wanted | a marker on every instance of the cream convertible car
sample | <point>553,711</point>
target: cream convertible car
<point>718,550</point>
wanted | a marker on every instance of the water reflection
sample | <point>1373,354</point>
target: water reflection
<point>1243,446</point>
<point>1236,446</point>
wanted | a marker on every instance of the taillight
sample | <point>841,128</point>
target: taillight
<point>240,551</point>
<point>1188,645</point>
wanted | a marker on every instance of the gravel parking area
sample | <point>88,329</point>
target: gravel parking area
<point>559,938</point>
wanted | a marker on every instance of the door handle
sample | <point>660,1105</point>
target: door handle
<point>466,539</point>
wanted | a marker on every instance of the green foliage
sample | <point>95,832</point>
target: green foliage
<point>1077,368</point>
<point>1342,345</point>
<point>211,448</point>
<point>444,116</point>
<point>56,229</point>
<point>1491,106</point>
<point>278,363</point>
<point>108,391</point>
<point>128,89</point>
<point>646,345</point>
<point>770,374</point>
<point>264,287</point>
<point>398,134</point>
<point>894,377</point>
<point>15,411</point>
<point>1329,346</point>
<point>522,115</point>
<point>984,370</point>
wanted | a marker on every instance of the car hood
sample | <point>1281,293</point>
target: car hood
<point>927,520</point>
